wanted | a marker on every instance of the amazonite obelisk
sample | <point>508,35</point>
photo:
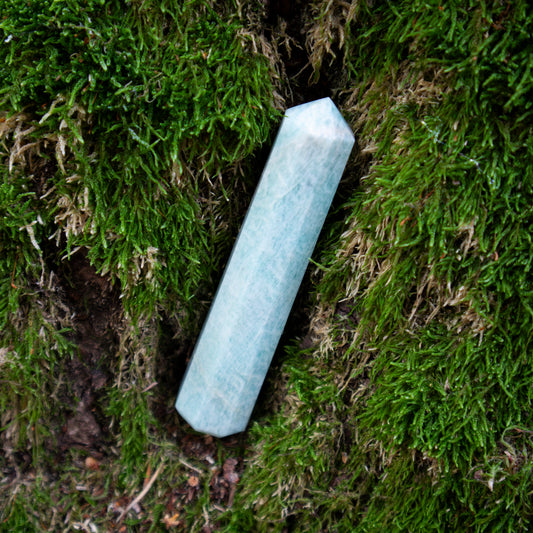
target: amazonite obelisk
<point>265,269</point>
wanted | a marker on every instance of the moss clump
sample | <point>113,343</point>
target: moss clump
<point>135,96</point>
<point>123,127</point>
<point>123,130</point>
<point>169,73</point>
<point>423,329</point>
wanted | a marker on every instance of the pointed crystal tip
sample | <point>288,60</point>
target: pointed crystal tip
<point>320,118</point>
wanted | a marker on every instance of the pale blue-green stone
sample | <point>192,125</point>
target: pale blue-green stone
<point>266,267</point>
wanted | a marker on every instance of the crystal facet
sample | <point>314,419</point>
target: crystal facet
<point>265,269</point>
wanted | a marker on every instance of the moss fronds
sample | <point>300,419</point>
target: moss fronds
<point>423,328</point>
<point>134,98</point>
<point>123,137</point>
<point>123,130</point>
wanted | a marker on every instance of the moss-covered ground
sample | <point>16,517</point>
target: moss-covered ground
<point>132,134</point>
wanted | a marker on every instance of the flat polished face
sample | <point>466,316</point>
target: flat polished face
<point>266,267</point>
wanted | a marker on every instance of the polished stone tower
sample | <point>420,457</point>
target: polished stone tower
<point>266,267</point>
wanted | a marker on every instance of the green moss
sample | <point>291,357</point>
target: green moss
<point>135,96</point>
<point>424,323</point>
<point>150,73</point>
<point>123,130</point>
<point>15,518</point>
<point>33,341</point>
<point>413,410</point>
<point>129,410</point>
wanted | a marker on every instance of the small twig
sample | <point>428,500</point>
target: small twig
<point>188,465</point>
<point>151,386</point>
<point>143,492</point>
